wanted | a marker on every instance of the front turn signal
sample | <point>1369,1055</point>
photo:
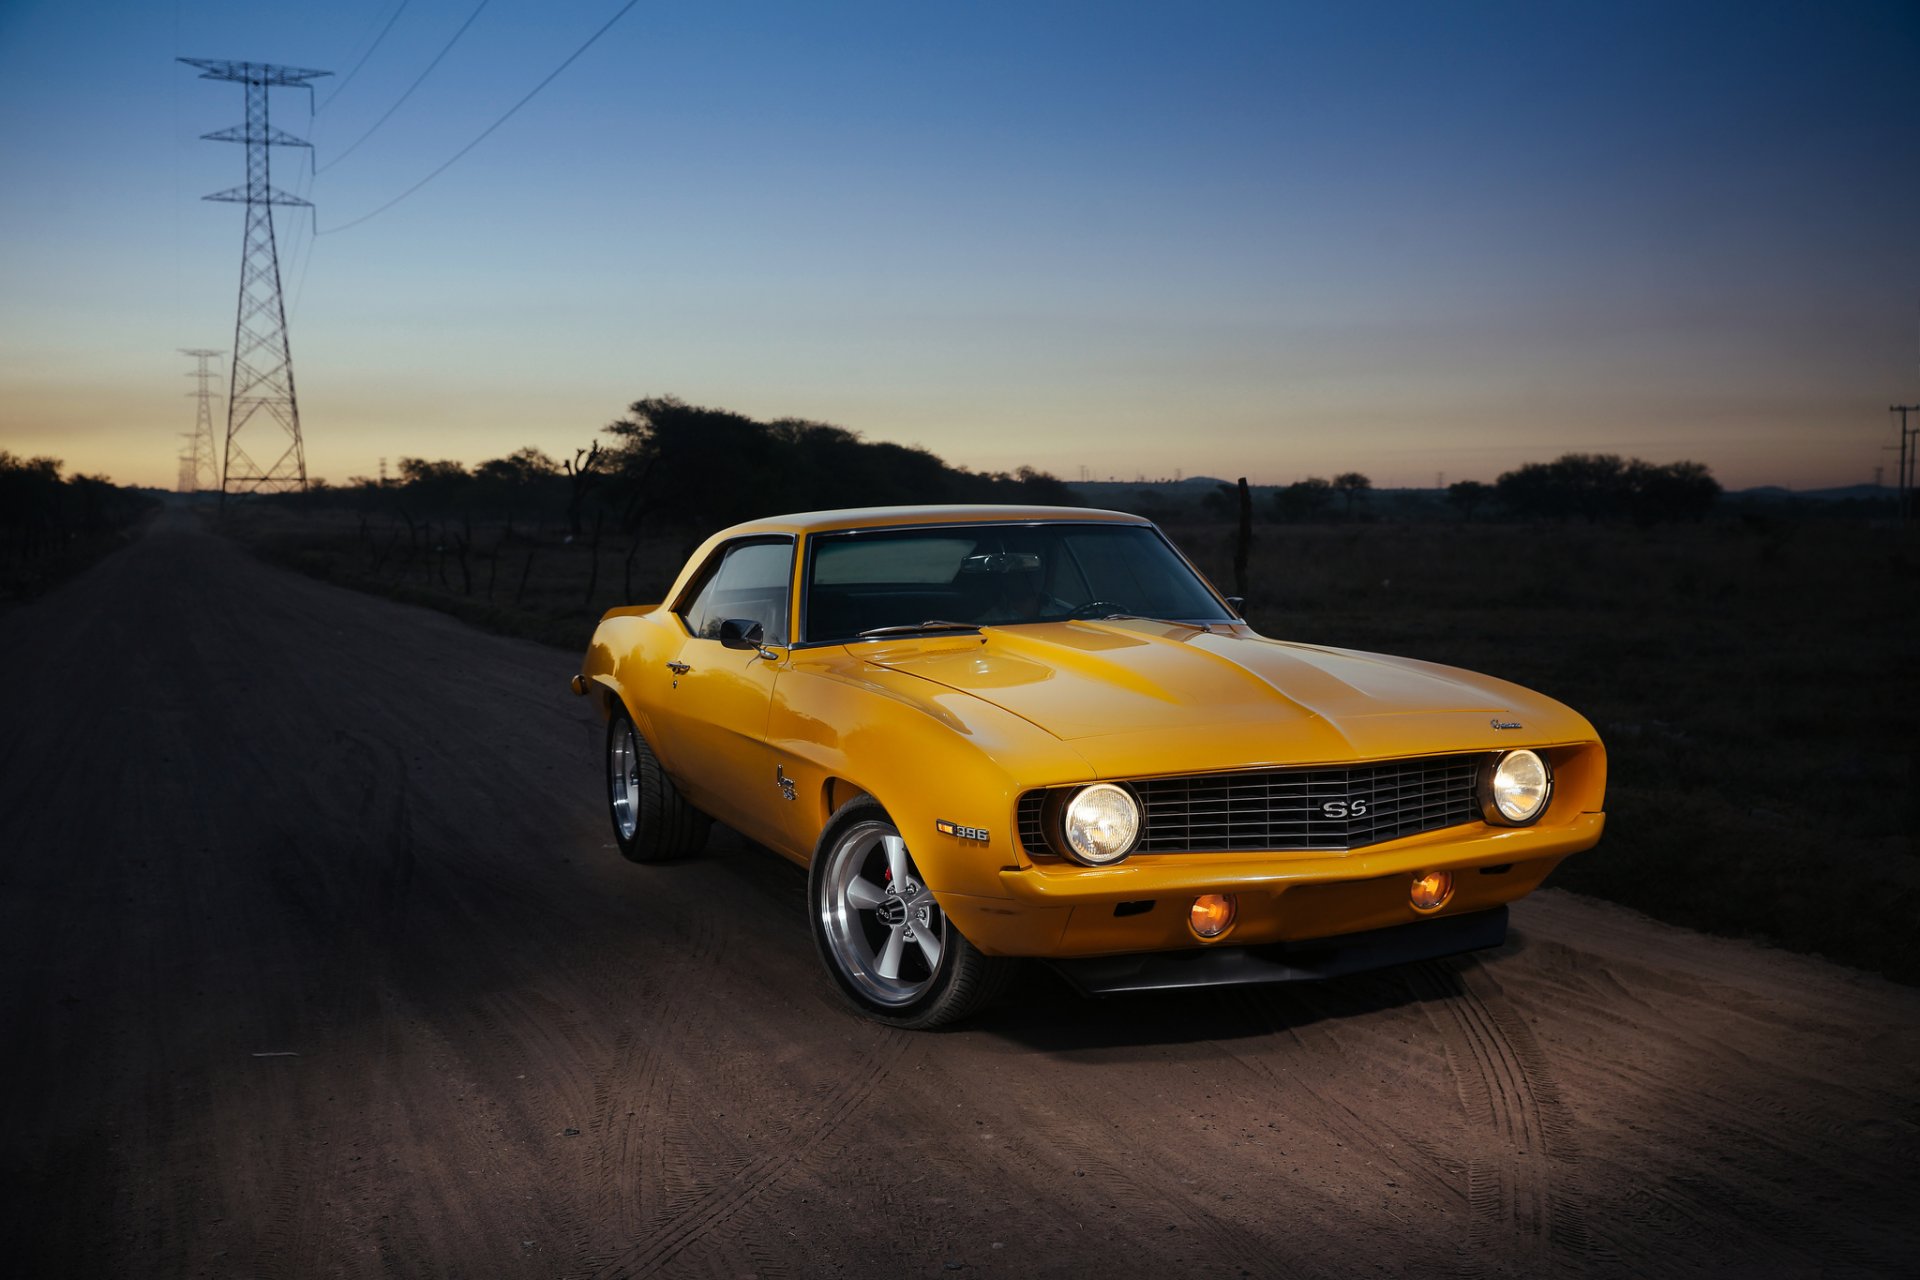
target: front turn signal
<point>1431,889</point>
<point>1212,914</point>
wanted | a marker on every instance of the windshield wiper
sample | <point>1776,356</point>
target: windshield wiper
<point>1145,617</point>
<point>910,628</point>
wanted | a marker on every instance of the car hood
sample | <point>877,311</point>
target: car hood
<point>1233,693</point>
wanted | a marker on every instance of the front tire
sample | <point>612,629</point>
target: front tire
<point>652,821</point>
<point>883,937</point>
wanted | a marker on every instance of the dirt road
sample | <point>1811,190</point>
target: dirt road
<point>319,961</point>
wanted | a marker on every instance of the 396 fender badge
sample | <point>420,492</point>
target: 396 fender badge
<point>959,832</point>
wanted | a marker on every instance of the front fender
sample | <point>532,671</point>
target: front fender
<point>928,754</point>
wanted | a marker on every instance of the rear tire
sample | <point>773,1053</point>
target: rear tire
<point>881,934</point>
<point>651,820</point>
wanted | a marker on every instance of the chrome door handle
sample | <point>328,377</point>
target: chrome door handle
<point>678,668</point>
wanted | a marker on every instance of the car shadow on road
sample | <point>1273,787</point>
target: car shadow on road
<point>1046,1015</point>
<point>1043,1013</point>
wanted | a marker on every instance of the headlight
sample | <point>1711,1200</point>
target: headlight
<point>1515,788</point>
<point>1100,824</point>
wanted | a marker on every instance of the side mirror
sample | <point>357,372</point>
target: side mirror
<point>1239,606</point>
<point>742,633</point>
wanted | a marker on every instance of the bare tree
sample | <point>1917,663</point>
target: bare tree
<point>583,474</point>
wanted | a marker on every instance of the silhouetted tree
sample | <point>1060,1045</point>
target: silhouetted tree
<point>48,521</point>
<point>685,465</point>
<point>1468,496</point>
<point>437,487</point>
<point>30,501</point>
<point>1676,491</point>
<point>584,474</point>
<point>1602,486</point>
<point>1303,499</point>
<point>1352,486</point>
<point>521,468</point>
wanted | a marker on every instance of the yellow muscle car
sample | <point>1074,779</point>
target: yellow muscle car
<point>1002,732</point>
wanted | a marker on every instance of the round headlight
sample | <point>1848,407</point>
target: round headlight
<point>1518,785</point>
<point>1100,824</point>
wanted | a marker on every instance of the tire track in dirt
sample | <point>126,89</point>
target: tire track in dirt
<point>1520,1223</point>
<point>1748,1129</point>
<point>633,1092</point>
<point>1440,1177</point>
<point>712,1210</point>
<point>1127,1174</point>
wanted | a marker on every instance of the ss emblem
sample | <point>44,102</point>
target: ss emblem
<point>1344,808</point>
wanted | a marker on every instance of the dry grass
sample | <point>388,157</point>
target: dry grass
<point>524,581</point>
<point>1755,685</point>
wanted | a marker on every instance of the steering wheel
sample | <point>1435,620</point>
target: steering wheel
<point>1095,609</point>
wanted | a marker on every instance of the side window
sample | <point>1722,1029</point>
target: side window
<point>747,580</point>
<point>695,606</point>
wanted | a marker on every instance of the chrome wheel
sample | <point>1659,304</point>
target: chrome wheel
<point>881,932</point>
<point>881,926</point>
<point>651,820</point>
<point>623,779</point>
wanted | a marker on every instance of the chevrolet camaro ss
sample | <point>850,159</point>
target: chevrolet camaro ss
<point>995,733</point>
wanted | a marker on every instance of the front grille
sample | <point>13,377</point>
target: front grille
<point>1284,809</point>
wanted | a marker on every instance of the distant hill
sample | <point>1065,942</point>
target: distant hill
<point>1846,493</point>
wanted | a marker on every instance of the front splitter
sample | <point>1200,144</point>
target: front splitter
<point>1306,961</point>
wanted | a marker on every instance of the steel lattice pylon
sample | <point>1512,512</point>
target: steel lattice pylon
<point>262,381</point>
<point>199,464</point>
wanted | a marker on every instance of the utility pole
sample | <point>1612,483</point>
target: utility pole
<point>1904,476</point>
<point>206,475</point>
<point>262,381</point>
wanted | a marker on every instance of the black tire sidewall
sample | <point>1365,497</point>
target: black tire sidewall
<point>916,1013</point>
<point>630,846</point>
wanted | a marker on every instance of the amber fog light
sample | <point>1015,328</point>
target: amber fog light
<point>1212,914</point>
<point>1431,889</point>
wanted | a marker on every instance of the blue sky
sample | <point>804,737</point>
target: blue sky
<point>1272,240</point>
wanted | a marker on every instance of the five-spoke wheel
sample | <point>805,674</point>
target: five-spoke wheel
<point>882,934</point>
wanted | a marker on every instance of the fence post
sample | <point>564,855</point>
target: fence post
<point>1244,541</point>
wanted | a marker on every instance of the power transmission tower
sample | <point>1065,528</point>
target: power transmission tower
<point>187,482</point>
<point>262,382</point>
<point>206,475</point>
<point>1904,496</point>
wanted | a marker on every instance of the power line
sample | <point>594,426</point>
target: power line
<point>301,244</point>
<point>410,88</point>
<point>551,76</point>
<point>348,78</point>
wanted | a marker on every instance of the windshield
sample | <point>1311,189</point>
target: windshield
<point>996,575</point>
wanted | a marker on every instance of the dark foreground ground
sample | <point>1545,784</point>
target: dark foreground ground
<point>318,961</point>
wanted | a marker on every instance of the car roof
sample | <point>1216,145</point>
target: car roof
<point>894,517</point>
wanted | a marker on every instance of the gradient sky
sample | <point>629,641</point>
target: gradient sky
<point>1271,240</point>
